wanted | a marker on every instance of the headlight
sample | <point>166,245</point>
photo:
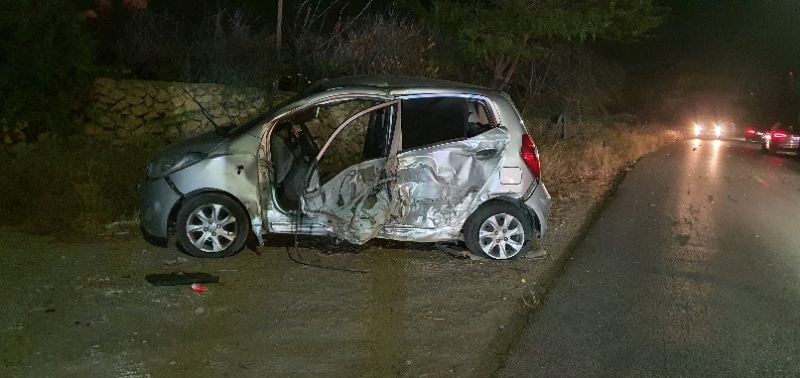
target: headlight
<point>163,167</point>
<point>718,130</point>
<point>698,129</point>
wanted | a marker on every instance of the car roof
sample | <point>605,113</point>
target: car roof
<point>402,83</point>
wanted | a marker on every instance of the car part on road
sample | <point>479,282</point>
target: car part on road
<point>212,225</point>
<point>180,278</point>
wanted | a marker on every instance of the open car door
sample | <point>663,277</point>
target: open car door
<point>348,188</point>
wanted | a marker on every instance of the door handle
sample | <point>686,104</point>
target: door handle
<point>485,154</point>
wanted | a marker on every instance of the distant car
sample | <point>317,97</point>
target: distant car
<point>708,130</point>
<point>753,134</point>
<point>782,139</point>
<point>360,157</point>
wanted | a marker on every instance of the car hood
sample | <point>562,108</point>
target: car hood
<point>203,143</point>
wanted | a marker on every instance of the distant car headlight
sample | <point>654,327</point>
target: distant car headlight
<point>165,166</point>
<point>698,129</point>
<point>718,130</point>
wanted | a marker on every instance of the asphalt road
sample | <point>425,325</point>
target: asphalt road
<point>691,270</point>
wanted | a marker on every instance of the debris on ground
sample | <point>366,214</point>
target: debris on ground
<point>535,253</point>
<point>180,278</point>
<point>176,262</point>
<point>457,251</point>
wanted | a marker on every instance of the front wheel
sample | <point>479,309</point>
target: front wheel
<point>498,230</point>
<point>212,225</point>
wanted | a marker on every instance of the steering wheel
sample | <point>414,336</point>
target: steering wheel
<point>307,144</point>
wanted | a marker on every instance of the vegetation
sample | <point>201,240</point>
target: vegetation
<point>541,52</point>
<point>46,64</point>
<point>60,186</point>
<point>502,34</point>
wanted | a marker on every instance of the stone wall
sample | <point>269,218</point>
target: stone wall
<point>127,109</point>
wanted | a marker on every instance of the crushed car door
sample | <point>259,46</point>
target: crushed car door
<point>352,201</point>
<point>443,168</point>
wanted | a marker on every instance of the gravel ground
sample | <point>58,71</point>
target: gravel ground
<point>84,308</point>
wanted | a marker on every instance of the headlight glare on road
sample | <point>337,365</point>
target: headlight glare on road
<point>165,166</point>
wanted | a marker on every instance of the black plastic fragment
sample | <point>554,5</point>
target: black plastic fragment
<point>180,278</point>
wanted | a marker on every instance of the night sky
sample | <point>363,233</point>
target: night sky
<point>739,52</point>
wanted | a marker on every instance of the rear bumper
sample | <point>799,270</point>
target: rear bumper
<point>783,144</point>
<point>539,203</point>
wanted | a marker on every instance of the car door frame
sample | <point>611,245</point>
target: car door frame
<point>316,200</point>
<point>278,220</point>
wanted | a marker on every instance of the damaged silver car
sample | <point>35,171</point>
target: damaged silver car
<point>358,158</point>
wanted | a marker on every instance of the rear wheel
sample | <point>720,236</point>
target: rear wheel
<point>498,230</point>
<point>212,225</point>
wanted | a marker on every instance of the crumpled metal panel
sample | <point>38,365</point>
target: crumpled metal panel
<point>439,187</point>
<point>432,193</point>
<point>354,205</point>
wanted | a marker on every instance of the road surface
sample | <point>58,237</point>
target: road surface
<point>691,270</point>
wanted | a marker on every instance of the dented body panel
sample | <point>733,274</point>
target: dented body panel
<point>440,186</point>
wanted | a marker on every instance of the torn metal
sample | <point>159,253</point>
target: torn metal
<point>428,198</point>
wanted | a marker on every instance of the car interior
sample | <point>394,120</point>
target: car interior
<point>294,148</point>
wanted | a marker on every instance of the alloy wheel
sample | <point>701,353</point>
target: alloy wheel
<point>501,236</point>
<point>211,228</point>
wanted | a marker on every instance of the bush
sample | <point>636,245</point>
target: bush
<point>225,48</point>
<point>378,44</point>
<point>66,185</point>
<point>595,152</point>
<point>46,63</point>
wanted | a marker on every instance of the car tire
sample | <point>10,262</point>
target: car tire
<point>212,225</point>
<point>494,220</point>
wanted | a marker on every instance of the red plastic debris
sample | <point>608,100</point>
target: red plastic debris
<point>198,288</point>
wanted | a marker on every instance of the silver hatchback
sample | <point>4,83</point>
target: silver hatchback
<point>360,157</point>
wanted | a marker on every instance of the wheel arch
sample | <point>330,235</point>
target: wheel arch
<point>532,216</point>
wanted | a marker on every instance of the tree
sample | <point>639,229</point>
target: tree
<point>502,33</point>
<point>46,63</point>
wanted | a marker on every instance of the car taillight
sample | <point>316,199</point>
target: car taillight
<point>530,155</point>
<point>779,134</point>
<point>750,131</point>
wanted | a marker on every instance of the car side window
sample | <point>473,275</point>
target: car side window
<point>432,120</point>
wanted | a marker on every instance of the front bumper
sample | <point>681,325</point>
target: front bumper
<point>156,201</point>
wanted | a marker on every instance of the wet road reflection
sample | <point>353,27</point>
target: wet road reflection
<point>693,269</point>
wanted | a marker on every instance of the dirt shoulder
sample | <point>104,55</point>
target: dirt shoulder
<point>85,309</point>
